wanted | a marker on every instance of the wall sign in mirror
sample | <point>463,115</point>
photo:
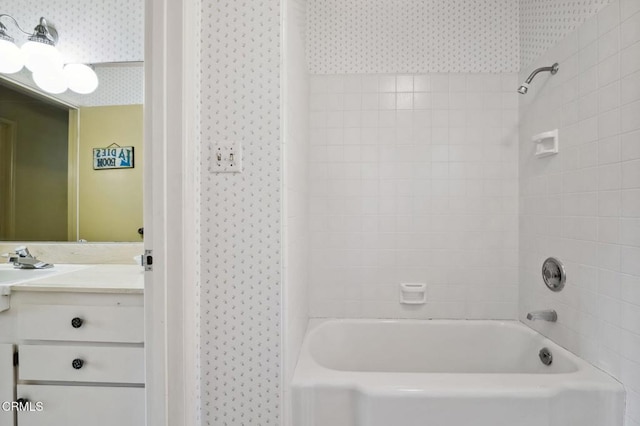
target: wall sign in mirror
<point>113,157</point>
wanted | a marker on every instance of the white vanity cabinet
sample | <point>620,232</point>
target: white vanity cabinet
<point>81,355</point>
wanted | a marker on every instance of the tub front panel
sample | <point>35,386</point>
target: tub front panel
<point>448,410</point>
<point>445,373</point>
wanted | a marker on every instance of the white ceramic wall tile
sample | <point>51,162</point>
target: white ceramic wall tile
<point>241,215</point>
<point>295,190</point>
<point>583,205</point>
<point>412,36</point>
<point>90,31</point>
<point>543,23</point>
<point>413,178</point>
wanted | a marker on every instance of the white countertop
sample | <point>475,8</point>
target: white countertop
<point>75,278</point>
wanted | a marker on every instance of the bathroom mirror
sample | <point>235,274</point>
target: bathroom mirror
<point>53,184</point>
<point>58,177</point>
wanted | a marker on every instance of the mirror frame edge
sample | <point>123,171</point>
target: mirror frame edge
<point>72,168</point>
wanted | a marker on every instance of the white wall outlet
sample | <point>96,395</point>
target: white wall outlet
<point>225,157</point>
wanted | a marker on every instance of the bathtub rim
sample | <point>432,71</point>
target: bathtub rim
<point>309,373</point>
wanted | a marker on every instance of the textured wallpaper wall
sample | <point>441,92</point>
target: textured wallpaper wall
<point>543,23</point>
<point>241,226</point>
<point>90,31</point>
<point>121,84</point>
<point>412,36</point>
<point>419,36</point>
<point>349,36</point>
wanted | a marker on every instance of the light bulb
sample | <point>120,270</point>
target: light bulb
<point>41,56</point>
<point>81,78</point>
<point>51,81</point>
<point>11,57</point>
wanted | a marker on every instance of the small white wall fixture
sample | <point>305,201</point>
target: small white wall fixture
<point>546,143</point>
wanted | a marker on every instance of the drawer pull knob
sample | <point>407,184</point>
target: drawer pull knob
<point>77,363</point>
<point>76,322</point>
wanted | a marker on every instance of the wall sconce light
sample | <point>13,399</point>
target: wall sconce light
<point>81,78</point>
<point>11,57</point>
<point>40,51</point>
<point>40,56</point>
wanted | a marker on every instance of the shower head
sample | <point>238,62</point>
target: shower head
<point>524,87</point>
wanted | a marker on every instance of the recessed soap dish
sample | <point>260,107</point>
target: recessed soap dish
<point>546,143</point>
<point>413,293</point>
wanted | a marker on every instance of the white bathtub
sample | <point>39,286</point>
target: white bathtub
<point>445,373</point>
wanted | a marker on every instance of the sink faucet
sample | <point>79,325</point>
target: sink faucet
<point>22,259</point>
<point>546,315</point>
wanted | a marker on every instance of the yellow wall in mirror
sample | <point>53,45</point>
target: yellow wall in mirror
<point>110,201</point>
<point>40,164</point>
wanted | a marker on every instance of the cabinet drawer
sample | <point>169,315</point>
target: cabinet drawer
<point>81,323</point>
<point>81,364</point>
<point>82,406</point>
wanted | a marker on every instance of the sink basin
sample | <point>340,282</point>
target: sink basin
<point>9,275</point>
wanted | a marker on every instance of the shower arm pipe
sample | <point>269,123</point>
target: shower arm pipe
<point>524,87</point>
<point>553,69</point>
